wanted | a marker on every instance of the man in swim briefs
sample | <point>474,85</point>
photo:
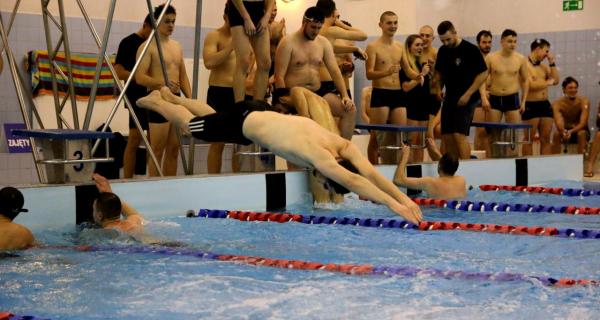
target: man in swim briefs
<point>538,110</point>
<point>296,139</point>
<point>298,60</point>
<point>507,74</point>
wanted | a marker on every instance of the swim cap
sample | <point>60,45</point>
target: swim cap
<point>11,201</point>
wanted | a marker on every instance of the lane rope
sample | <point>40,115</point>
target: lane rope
<point>399,224</point>
<point>569,192</point>
<point>482,206</point>
<point>9,316</point>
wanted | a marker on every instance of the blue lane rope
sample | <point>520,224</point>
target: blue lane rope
<point>401,224</point>
<point>482,206</point>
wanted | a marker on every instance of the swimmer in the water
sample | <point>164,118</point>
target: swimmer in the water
<point>296,139</point>
<point>446,186</point>
<point>13,236</point>
<point>108,208</point>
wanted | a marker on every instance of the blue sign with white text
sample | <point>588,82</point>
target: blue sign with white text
<point>16,144</point>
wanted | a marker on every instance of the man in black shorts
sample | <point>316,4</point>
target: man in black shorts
<point>249,21</point>
<point>484,43</point>
<point>299,58</point>
<point>219,58</point>
<point>508,73</point>
<point>123,65</point>
<point>297,139</point>
<point>462,70</point>
<point>538,110</point>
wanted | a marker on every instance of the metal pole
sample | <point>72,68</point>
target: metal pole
<point>157,40</point>
<point>20,96</point>
<point>12,19</point>
<point>195,79</point>
<point>31,105</point>
<point>67,49</point>
<point>164,70</point>
<point>101,54</point>
<point>121,87</point>
<point>45,14</point>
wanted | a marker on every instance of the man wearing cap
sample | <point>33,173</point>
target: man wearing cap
<point>13,236</point>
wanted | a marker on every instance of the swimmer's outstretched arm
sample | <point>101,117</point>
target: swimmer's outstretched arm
<point>363,187</point>
<point>400,178</point>
<point>370,183</point>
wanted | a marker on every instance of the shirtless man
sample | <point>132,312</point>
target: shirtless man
<point>345,60</point>
<point>571,113</point>
<point>333,29</point>
<point>446,186</point>
<point>296,139</point>
<point>508,73</point>
<point>163,137</point>
<point>365,110</point>
<point>538,111</point>
<point>108,208</point>
<point>219,58</point>
<point>124,63</point>
<point>13,236</point>
<point>484,43</point>
<point>385,58</point>
<point>298,61</point>
<point>249,21</point>
<point>595,150</point>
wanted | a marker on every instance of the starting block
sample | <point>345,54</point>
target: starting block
<point>401,130</point>
<point>504,135</point>
<point>66,153</point>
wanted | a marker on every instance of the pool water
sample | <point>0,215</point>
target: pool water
<point>68,284</point>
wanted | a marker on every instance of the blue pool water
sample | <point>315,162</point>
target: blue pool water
<point>67,284</point>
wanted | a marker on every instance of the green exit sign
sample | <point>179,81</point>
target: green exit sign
<point>571,5</point>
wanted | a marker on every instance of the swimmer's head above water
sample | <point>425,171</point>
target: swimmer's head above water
<point>107,207</point>
<point>11,202</point>
<point>447,165</point>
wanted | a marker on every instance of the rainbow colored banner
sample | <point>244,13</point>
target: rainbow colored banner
<point>84,68</point>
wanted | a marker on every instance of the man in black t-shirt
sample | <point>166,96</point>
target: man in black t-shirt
<point>461,69</point>
<point>124,63</point>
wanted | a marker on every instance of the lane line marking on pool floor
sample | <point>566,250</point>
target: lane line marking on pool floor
<point>349,269</point>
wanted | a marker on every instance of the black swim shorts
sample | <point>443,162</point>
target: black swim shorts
<point>327,87</point>
<point>226,126</point>
<point>392,98</point>
<point>537,109</point>
<point>510,102</point>
<point>256,10</point>
<point>220,98</point>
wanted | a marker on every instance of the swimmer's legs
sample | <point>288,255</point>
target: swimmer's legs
<point>176,114</point>
<point>194,106</point>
